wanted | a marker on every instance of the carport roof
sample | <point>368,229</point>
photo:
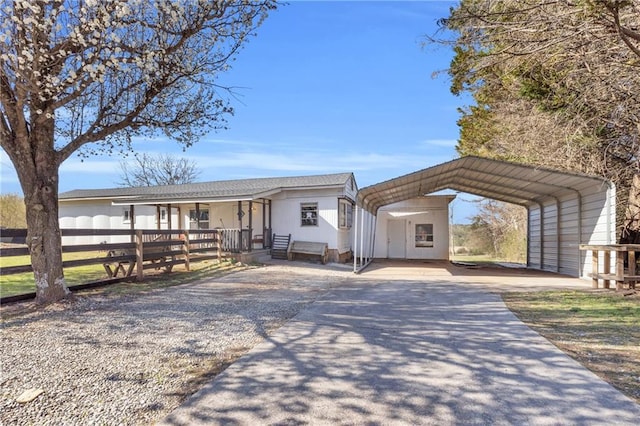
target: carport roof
<point>499,180</point>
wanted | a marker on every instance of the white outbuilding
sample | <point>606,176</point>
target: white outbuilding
<point>564,209</point>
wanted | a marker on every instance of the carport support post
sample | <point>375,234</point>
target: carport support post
<point>355,242</point>
<point>372,236</point>
<point>139,256</point>
<point>369,237</point>
<point>361,237</point>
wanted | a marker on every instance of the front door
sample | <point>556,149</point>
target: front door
<point>396,239</point>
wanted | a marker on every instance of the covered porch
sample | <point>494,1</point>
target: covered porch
<point>243,225</point>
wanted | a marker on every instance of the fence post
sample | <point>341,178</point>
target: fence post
<point>139,256</point>
<point>606,267</point>
<point>219,244</point>
<point>594,268</point>
<point>619,270</point>
<point>185,250</point>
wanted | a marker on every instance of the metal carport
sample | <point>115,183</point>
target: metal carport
<point>564,209</point>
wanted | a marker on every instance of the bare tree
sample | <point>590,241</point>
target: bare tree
<point>12,213</point>
<point>87,76</point>
<point>506,225</point>
<point>162,169</point>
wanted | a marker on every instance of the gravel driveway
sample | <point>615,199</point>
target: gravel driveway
<point>133,359</point>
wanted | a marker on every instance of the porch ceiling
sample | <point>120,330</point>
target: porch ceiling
<point>499,180</point>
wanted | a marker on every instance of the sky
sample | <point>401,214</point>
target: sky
<point>324,87</point>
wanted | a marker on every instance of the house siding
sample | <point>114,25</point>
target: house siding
<point>425,210</point>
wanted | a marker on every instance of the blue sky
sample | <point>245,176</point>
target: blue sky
<point>325,87</point>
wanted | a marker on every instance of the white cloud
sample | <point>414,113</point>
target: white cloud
<point>447,143</point>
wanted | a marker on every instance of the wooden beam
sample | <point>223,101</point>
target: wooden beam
<point>132,221</point>
<point>594,269</point>
<point>619,270</point>
<point>197,215</point>
<point>139,256</point>
<point>606,267</point>
<point>250,236</point>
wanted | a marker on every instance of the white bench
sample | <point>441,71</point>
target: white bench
<point>308,247</point>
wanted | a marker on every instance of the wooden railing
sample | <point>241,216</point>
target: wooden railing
<point>151,248</point>
<point>621,276</point>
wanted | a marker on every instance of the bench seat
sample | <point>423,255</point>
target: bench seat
<point>310,248</point>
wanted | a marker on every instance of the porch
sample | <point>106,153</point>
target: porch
<point>250,221</point>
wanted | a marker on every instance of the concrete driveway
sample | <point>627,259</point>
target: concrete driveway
<point>397,347</point>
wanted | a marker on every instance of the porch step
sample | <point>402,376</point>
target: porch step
<point>279,246</point>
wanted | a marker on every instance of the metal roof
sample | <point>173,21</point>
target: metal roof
<point>215,190</point>
<point>499,180</point>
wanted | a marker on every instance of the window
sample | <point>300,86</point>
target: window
<point>126,215</point>
<point>163,214</point>
<point>309,214</point>
<point>424,235</point>
<point>203,223</point>
<point>345,213</point>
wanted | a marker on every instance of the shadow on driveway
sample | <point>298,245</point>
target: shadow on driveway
<point>408,348</point>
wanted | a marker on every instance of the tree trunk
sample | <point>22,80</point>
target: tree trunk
<point>43,236</point>
<point>37,165</point>
<point>631,225</point>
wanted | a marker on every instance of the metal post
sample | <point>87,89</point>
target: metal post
<point>373,235</point>
<point>355,241</point>
<point>362,237</point>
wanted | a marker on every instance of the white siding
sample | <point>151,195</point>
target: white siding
<point>425,210</point>
<point>101,214</point>
<point>585,218</point>
<point>598,223</point>
<point>550,240</point>
<point>286,219</point>
<point>569,236</point>
<point>534,241</point>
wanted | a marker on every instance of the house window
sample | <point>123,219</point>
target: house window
<point>345,213</point>
<point>424,235</point>
<point>163,214</point>
<point>203,223</point>
<point>309,214</point>
<point>126,215</point>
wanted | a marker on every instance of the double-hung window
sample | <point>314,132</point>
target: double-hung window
<point>424,235</point>
<point>201,222</point>
<point>345,213</point>
<point>309,214</point>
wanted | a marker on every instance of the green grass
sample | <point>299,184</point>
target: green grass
<point>474,258</point>
<point>600,329</point>
<point>569,307</point>
<point>14,284</point>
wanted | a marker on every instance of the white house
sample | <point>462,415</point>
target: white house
<point>414,229</point>
<point>310,208</point>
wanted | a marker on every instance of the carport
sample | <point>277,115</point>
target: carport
<point>564,209</point>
